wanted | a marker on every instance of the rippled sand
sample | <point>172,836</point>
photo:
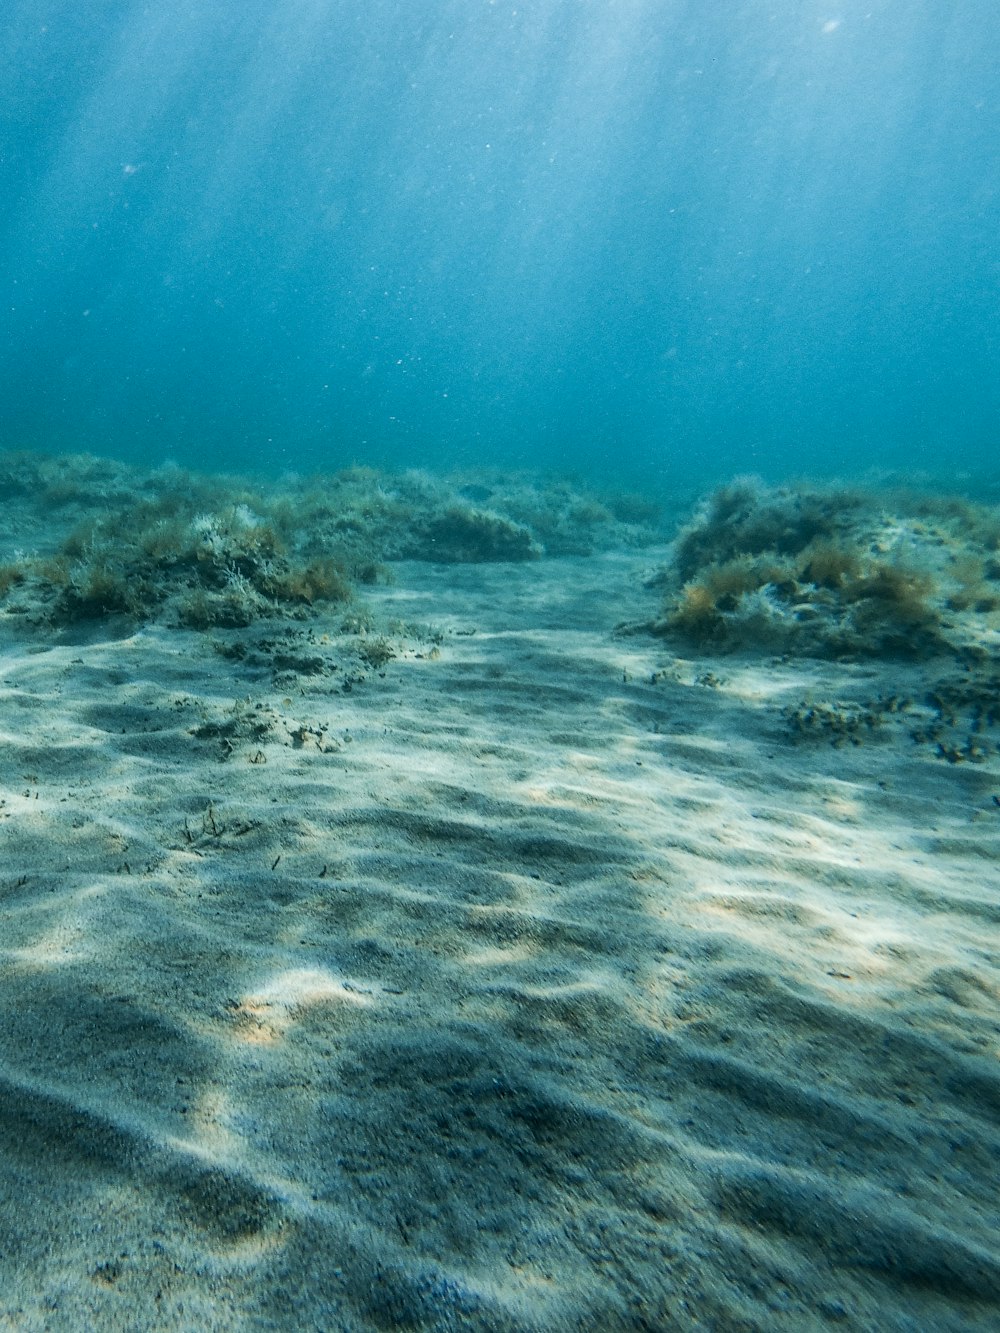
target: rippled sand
<point>537,979</point>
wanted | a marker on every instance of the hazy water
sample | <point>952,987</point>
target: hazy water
<point>653,234</point>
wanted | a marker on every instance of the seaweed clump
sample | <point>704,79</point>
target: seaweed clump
<point>168,558</point>
<point>206,551</point>
<point>466,535</point>
<point>827,572</point>
<point>747,518</point>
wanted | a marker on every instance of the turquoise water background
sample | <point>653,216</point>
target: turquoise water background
<point>648,236</point>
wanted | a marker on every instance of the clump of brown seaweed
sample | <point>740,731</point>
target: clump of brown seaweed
<point>96,538</point>
<point>831,571</point>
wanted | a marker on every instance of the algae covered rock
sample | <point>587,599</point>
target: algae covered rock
<point>828,571</point>
<point>467,535</point>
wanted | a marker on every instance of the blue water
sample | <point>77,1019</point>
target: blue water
<point>657,236</point>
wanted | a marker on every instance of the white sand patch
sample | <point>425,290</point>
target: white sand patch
<point>542,980</point>
<point>267,1012</point>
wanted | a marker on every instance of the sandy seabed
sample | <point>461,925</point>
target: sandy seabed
<point>535,979</point>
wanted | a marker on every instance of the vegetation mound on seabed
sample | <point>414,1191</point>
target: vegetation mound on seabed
<point>835,572</point>
<point>90,537</point>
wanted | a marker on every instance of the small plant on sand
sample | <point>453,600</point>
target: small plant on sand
<point>696,615</point>
<point>10,576</point>
<point>376,652</point>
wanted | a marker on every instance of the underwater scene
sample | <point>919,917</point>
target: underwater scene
<point>500,666</point>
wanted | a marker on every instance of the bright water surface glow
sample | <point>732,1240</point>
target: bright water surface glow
<point>612,234</point>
